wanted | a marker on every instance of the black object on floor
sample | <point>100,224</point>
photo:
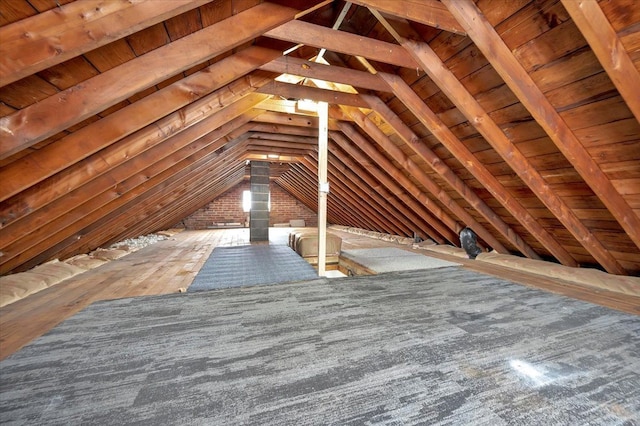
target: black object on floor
<point>239,266</point>
<point>437,347</point>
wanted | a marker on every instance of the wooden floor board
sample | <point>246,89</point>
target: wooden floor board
<point>169,266</point>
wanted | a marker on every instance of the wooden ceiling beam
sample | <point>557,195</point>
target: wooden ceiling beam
<point>85,219</point>
<point>183,198</point>
<point>427,12</point>
<point>308,69</point>
<point>513,73</point>
<point>451,227</point>
<point>176,211</point>
<point>341,175</point>
<point>71,213</point>
<point>362,177</point>
<point>300,178</point>
<point>431,121</point>
<point>355,208</point>
<point>167,204</point>
<point>605,43</point>
<point>96,192</point>
<point>492,133</point>
<point>203,171</point>
<point>419,175</point>
<point>277,130</point>
<point>357,180</point>
<point>32,124</point>
<point>99,135</point>
<point>355,196</point>
<point>397,182</point>
<point>296,91</point>
<point>153,199</point>
<point>282,137</point>
<point>128,148</point>
<point>199,193</point>
<point>52,37</point>
<point>287,181</point>
<point>339,41</point>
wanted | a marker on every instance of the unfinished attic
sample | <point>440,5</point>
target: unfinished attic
<point>474,163</point>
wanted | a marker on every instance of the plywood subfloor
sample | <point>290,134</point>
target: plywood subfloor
<point>170,265</point>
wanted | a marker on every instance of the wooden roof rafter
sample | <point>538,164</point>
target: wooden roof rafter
<point>517,78</point>
<point>355,169</point>
<point>605,43</point>
<point>479,171</point>
<point>62,33</point>
<point>478,117</point>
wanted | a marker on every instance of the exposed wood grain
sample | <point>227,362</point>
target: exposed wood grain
<point>338,41</point>
<point>56,157</point>
<point>477,169</point>
<point>476,115</point>
<point>445,224</point>
<point>357,198</point>
<point>492,46</point>
<point>388,188</point>
<point>58,221</point>
<point>427,12</point>
<point>309,69</point>
<point>287,90</point>
<point>341,173</point>
<point>34,123</point>
<point>604,41</point>
<point>419,175</point>
<point>412,140</point>
<point>60,34</point>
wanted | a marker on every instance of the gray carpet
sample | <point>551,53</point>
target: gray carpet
<point>438,347</point>
<point>392,259</point>
<point>239,266</point>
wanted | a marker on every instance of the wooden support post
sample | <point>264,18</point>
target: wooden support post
<point>323,185</point>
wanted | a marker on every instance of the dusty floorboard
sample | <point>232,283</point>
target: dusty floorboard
<point>170,265</point>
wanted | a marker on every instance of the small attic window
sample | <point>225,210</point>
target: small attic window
<point>246,201</point>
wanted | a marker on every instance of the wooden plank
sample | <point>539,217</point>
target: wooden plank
<point>348,208</point>
<point>388,188</point>
<point>492,46</point>
<point>12,11</point>
<point>427,12</point>
<point>338,41</point>
<point>60,214</point>
<point>357,204</point>
<point>52,37</point>
<point>359,174</point>
<point>604,41</point>
<point>443,223</point>
<point>418,174</point>
<point>90,139</point>
<point>476,168</point>
<point>342,173</point>
<point>139,196</point>
<point>36,122</point>
<point>345,189</point>
<point>296,91</point>
<point>476,115</point>
<point>315,70</point>
<point>449,176</point>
